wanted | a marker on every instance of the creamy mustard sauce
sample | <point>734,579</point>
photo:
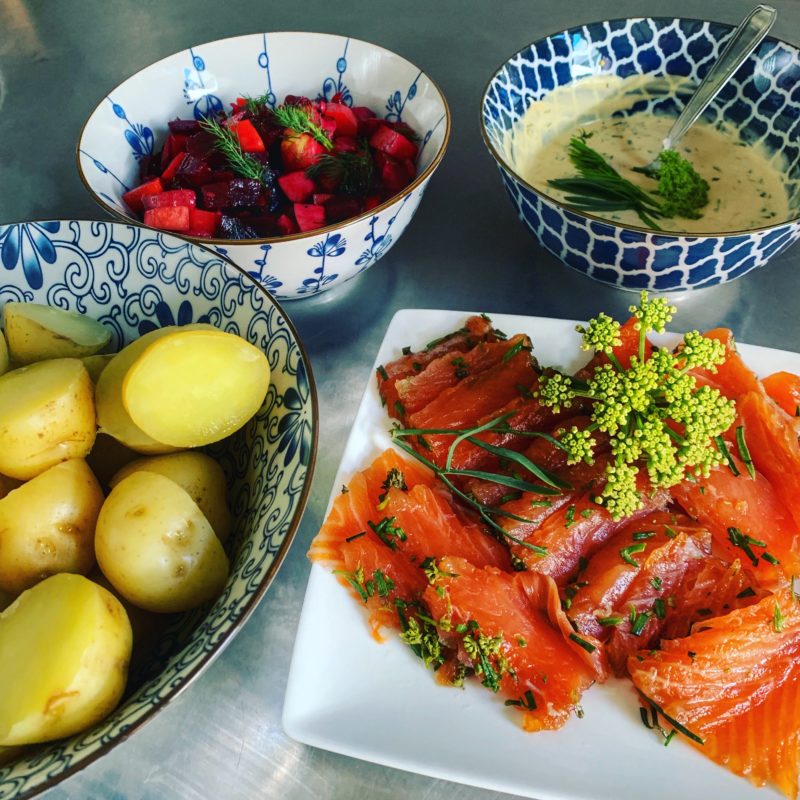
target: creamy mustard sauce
<point>746,184</point>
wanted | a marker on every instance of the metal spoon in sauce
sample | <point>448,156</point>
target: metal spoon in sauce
<point>746,38</point>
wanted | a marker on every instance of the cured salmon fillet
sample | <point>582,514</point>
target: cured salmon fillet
<point>501,626</point>
<point>733,377</point>
<point>602,586</point>
<point>750,507</point>
<point>734,685</point>
<point>476,329</point>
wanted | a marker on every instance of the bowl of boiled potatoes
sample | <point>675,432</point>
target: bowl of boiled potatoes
<point>158,426</point>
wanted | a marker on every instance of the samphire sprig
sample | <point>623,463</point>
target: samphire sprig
<point>656,416</point>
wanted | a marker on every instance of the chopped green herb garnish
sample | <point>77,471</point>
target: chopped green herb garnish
<point>769,558</point>
<point>586,513</point>
<point>726,454</point>
<point>777,619</point>
<point>516,348</point>
<point>382,372</point>
<point>610,622</point>
<point>388,532</point>
<point>394,480</point>
<point>748,592</point>
<point>744,453</point>
<point>659,609</point>
<point>570,518</point>
<point>528,701</point>
<point>587,646</point>
<point>641,535</point>
<point>541,503</point>
<point>655,582</point>
<point>682,729</point>
<point>356,536</point>
<point>670,533</point>
<point>738,539</point>
<point>406,351</point>
<point>462,371</point>
<point>638,621</point>
<point>627,553</point>
<point>521,641</point>
<point>298,119</point>
<point>227,143</point>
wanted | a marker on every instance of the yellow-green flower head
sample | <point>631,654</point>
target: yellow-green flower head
<point>620,494</point>
<point>601,335</point>
<point>702,352</point>
<point>555,391</point>
<point>652,315</point>
<point>579,445</point>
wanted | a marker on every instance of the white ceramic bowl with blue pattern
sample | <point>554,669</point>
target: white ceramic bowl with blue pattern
<point>131,121</point>
<point>134,279</point>
<point>762,101</point>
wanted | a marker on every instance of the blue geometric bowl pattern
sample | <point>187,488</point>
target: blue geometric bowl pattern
<point>762,101</point>
<point>202,80</point>
<point>133,279</point>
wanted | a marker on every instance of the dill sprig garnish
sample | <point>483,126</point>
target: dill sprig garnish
<point>551,484</point>
<point>599,187</point>
<point>352,172</point>
<point>296,118</point>
<point>226,142</point>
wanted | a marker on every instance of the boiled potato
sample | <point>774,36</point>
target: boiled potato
<point>112,417</point>
<point>46,416</point>
<point>209,383</point>
<point>96,364</point>
<point>196,473</point>
<point>65,645</point>
<point>38,332</point>
<point>47,525</point>
<point>156,547</point>
<point>4,360</point>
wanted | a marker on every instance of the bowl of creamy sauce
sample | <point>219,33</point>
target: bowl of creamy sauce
<point>748,187</point>
<point>621,83</point>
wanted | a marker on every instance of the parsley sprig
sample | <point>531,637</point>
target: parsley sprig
<point>656,416</point>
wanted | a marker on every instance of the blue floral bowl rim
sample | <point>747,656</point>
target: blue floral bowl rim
<point>273,240</point>
<point>280,555</point>
<point>611,223</point>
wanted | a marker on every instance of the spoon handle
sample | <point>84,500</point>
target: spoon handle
<point>750,33</point>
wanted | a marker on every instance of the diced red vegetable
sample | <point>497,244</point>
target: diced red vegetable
<point>168,218</point>
<point>172,168</point>
<point>297,186</point>
<point>371,201</point>
<point>203,223</point>
<point>345,144</point>
<point>287,225</point>
<point>234,193</point>
<point>300,152</point>
<point>346,120</point>
<point>309,216</point>
<point>175,143</point>
<point>173,197</point>
<point>248,136</point>
<point>392,143</point>
<point>342,207</point>
<point>363,113</point>
<point>133,198</point>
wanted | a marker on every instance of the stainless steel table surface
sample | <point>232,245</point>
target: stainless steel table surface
<point>465,249</point>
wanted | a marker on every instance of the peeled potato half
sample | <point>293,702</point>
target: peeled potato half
<point>65,645</point>
<point>3,354</point>
<point>46,416</point>
<point>37,332</point>
<point>195,387</point>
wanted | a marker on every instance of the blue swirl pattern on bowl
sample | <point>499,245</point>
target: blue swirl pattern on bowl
<point>134,279</point>
<point>762,100</point>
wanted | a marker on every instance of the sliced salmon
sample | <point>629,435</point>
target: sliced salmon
<point>730,505</point>
<point>601,587</point>
<point>784,389</point>
<point>476,329</point>
<point>524,656</point>
<point>733,377</point>
<point>647,603</point>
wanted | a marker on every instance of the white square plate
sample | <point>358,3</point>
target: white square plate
<point>351,695</point>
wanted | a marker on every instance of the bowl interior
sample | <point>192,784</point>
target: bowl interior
<point>134,279</point>
<point>762,100</point>
<point>130,123</point>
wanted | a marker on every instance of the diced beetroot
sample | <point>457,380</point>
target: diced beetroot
<point>346,120</point>
<point>392,143</point>
<point>362,113</point>
<point>234,193</point>
<point>368,126</point>
<point>184,126</point>
<point>168,218</point>
<point>320,198</point>
<point>200,145</point>
<point>248,136</point>
<point>394,176</point>
<point>371,201</point>
<point>300,152</point>
<point>297,186</point>
<point>175,143</point>
<point>309,216</point>
<point>341,207</point>
<point>287,225</point>
<point>233,228</point>
<point>173,197</point>
<point>296,100</point>
<point>172,168</point>
<point>203,223</point>
<point>345,144</point>
<point>133,198</point>
<point>195,171</point>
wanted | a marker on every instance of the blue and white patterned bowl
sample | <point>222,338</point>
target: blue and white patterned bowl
<point>762,100</point>
<point>132,118</point>
<point>134,279</point>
